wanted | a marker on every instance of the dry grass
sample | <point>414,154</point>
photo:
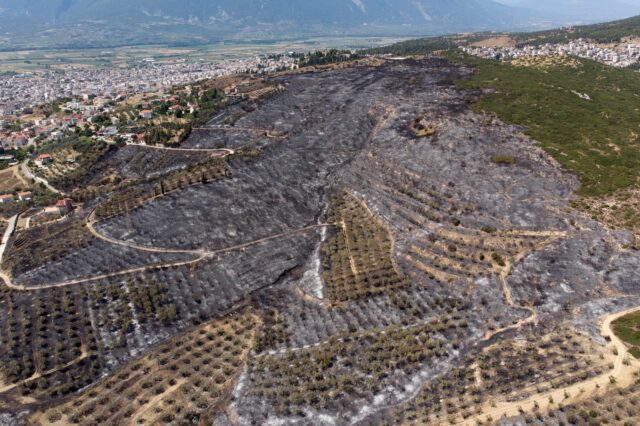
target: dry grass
<point>546,62</point>
<point>620,210</point>
<point>507,371</point>
<point>421,127</point>
<point>449,254</point>
<point>10,181</point>
<point>501,41</point>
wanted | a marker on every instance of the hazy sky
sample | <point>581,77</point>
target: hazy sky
<point>566,2</point>
<point>595,10</point>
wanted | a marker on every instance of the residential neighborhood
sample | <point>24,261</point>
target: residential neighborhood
<point>112,104</point>
<point>19,93</point>
<point>618,55</point>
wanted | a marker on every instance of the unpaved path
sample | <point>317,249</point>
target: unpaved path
<point>352,262</point>
<point>83,354</point>
<point>223,152</point>
<point>202,255</point>
<point>9,283</point>
<point>91,226</point>
<point>506,290</point>
<point>622,372</point>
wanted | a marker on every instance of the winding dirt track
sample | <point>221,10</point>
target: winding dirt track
<point>11,227</point>
<point>24,167</point>
<point>201,255</point>
<point>84,354</point>
<point>506,271</point>
<point>224,152</point>
<point>91,226</point>
<point>622,372</point>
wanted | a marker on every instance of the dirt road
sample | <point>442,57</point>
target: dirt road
<point>201,255</point>
<point>222,151</point>
<point>84,354</point>
<point>622,372</point>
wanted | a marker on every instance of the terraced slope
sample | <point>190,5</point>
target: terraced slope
<point>372,274</point>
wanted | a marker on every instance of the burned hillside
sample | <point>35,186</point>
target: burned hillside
<point>352,267</point>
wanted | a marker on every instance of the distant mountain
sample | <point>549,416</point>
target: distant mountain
<point>109,22</point>
<point>580,10</point>
<point>607,32</point>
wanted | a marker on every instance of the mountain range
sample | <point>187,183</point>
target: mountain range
<point>97,23</point>
<point>300,13</point>
<point>580,10</point>
<point>118,21</point>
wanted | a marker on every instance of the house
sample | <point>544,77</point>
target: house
<point>13,141</point>
<point>52,210</point>
<point>25,196</point>
<point>175,108</point>
<point>64,206</point>
<point>43,160</point>
<point>108,131</point>
<point>6,198</point>
<point>71,122</point>
<point>146,114</point>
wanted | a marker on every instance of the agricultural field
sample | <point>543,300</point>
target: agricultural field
<point>182,380</point>
<point>134,196</point>
<point>84,153</point>
<point>618,406</point>
<point>357,245</point>
<point>511,370</point>
<point>357,259</point>
<point>45,59</point>
<point>11,181</point>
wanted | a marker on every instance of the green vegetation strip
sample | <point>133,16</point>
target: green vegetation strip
<point>627,328</point>
<point>594,137</point>
<point>609,32</point>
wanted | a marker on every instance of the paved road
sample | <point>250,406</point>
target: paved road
<point>7,234</point>
<point>27,173</point>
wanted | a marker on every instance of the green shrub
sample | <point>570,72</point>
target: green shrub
<point>503,160</point>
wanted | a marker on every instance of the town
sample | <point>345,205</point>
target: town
<point>55,124</point>
<point>618,55</point>
<point>22,91</point>
<point>108,103</point>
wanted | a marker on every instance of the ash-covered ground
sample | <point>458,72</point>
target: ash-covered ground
<point>491,250</point>
<point>350,129</point>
